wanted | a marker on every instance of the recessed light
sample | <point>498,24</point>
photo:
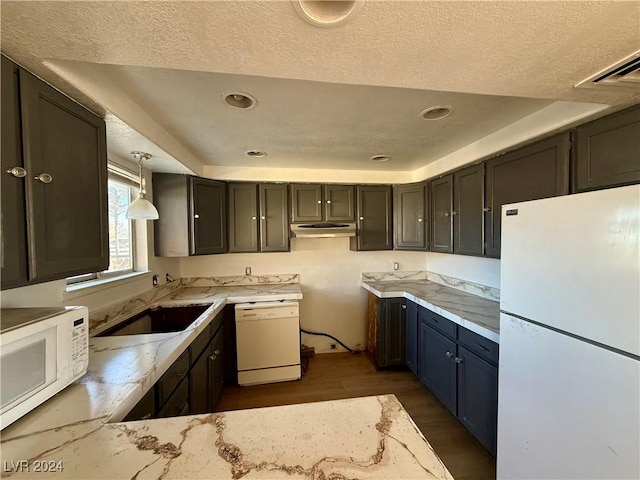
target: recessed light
<point>327,13</point>
<point>256,154</point>
<point>240,100</point>
<point>380,158</point>
<point>436,113</point>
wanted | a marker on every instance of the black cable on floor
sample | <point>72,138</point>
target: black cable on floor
<point>330,336</point>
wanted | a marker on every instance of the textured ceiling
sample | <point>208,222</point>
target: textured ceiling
<point>536,50</point>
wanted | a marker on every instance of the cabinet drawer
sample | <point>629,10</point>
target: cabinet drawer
<point>483,347</point>
<point>177,403</point>
<point>444,326</point>
<point>172,377</point>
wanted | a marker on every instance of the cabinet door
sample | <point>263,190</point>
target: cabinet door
<point>172,377</point>
<point>478,397</point>
<point>441,218</point>
<point>468,202</point>
<point>607,151</point>
<point>440,367</point>
<point>274,223</point>
<point>423,329</point>
<point>65,146</point>
<point>216,369</point>
<point>306,203</point>
<point>198,385</point>
<point>410,222</point>
<point>411,337</point>
<point>537,171</point>
<point>13,233</point>
<point>144,409</point>
<point>339,203</point>
<point>394,331</point>
<point>208,215</point>
<point>374,218</point>
<point>243,217</point>
<point>178,401</point>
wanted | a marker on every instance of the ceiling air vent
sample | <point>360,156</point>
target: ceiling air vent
<point>625,73</point>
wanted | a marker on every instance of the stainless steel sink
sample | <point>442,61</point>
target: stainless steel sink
<point>157,320</point>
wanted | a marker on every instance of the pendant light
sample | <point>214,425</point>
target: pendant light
<point>141,208</point>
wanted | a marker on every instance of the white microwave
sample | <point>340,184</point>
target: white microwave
<point>42,350</point>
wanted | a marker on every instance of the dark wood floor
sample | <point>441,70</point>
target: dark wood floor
<point>343,375</point>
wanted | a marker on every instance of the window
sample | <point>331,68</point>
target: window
<point>122,188</point>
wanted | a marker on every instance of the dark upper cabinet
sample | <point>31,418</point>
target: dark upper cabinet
<point>60,207</point>
<point>478,397</point>
<point>441,214</point>
<point>411,338</point>
<point>410,216</point>
<point>317,203</point>
<point>339,203</point>
<point>607,151</point>
<point>306,203</point>
<point>537,171</point>
<point>192,215</point>
<point>274,224</point>
<point>243,217</point>
<point>374,218</point>
<point>468,204</point>
<point>258,217</point>
<point>13,247</point>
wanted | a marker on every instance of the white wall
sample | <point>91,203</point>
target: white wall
<point>329,272</point>
<point>485,271</point>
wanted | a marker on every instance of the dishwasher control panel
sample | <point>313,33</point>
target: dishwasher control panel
<point>266,310</point>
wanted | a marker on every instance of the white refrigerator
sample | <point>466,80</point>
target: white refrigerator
<point>569,371</point>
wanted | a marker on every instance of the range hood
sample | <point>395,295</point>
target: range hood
<point>323,230</point>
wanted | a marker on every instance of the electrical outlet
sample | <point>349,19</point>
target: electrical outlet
<point>247,270</point>
<point>333,346</point>
<point>396,265</point>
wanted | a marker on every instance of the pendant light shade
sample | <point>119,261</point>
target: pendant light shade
<point>141,208</point>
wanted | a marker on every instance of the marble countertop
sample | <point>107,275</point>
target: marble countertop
<point>121,370</point>
<point>475,313</point>
<point>366,437</point>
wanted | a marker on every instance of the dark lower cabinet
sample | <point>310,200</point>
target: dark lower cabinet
<point>193,383</point>
<point>478,397</point>
<point>386,319</point>
<point>411,336</point>
<point>606,152</point>
<point>439,367</point>
<point>461,369</point>
<point>193,215</point>
<point>538,171</point>
<point>374,218</point>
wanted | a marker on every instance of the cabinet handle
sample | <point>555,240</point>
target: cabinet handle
<point>44,178</point>
<point>196,216</point>
<point>486,209</point>
<point>454,213</point>
<point>420,220</point>
<point>404,307</point>
<point>213,357</point>
<point>458,360</point>
<point>253,218</point>
<point>328,201</point>
<point>319,201</point>
<point>17,172</point>
<point>361,218</point>
<point>449,354</point>
<point>217,352</point>
<point>447,214</point>
<point>180,374</point>
<point>263,218</point>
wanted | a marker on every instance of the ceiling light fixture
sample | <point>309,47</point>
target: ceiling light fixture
<point>256,153</point>
<point>380,158</point>
<point>141,208</point>
<point>240,100</point>
<point>327,13</point>
<point>436,113</point>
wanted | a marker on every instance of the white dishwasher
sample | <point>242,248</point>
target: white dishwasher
<point>268,342</point>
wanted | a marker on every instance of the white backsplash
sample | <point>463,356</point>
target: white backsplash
<point>240,280</point>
